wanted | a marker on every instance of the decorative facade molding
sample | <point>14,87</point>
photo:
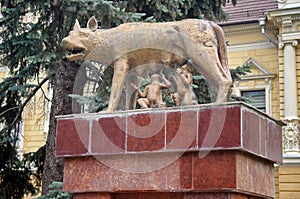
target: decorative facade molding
<point>237,30</point>
<point>249,28</point>
<point>267,77</point>
<point>287,23</point>
<point>288,3</point>
<point>252,85</point>
<point>251,46</point>
<point>253,62</point>
<point>281,44</point>
<point>288,18</point>
<point>290,160</point>
<point>291,137</point>
<point>292,38</point>
<point>291,130</point>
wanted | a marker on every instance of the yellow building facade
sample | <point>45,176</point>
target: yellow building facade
<point>35,127</point>
<point>34,124</point>
<point>270,44</point>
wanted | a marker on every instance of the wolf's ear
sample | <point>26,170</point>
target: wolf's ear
<point>92,23</point>
<point>77,25</point>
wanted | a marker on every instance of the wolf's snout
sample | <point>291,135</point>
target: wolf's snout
<point>64,42</point>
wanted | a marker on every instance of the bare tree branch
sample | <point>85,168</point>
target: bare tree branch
<point>21,108</point>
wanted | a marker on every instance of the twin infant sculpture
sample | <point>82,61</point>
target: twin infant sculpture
<point>131,45</point>
<point>152,98</point>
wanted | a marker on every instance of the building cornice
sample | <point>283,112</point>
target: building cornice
<point>291,160</point>
<point>291,36</point>
<point>287,18</point>
<point>256,77</point>
<point>295,12</point>
<point>246,28</point>
<point>250,46</point>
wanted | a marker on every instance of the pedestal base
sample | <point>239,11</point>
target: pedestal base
<point>228,172</point>
<point>163,196</point>
<point>221,151</point>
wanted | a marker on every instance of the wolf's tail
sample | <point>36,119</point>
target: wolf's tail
<point>222,50</point>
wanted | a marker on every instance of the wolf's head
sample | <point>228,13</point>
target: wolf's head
<point>81,41</point>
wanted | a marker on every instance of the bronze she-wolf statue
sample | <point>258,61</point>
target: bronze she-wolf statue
<point>140,44</point>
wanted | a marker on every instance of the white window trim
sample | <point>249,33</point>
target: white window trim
<point>237,90</point>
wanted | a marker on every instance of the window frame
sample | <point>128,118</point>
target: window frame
<point>237,90</point>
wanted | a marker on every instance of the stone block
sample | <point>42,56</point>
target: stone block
<point>219,127</point>
<point>181,130</point>
<point>108,135</point>
<point>72,137</point>
<point>208,151</point>
<point>146,132</point>
<point>229,171</point>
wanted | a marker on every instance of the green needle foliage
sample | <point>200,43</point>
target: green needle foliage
<point>56,192</point>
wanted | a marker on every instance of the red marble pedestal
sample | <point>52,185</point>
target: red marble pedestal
<point>198,152</point>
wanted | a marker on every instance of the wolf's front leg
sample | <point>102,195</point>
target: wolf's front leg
<point>121,69</point>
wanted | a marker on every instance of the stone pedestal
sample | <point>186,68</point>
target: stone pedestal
<point>207,151</point>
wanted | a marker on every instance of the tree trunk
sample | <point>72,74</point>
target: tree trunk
<point>61,104</point>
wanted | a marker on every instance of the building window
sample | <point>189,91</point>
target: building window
<point>256,98</point>
<point>256,86</point>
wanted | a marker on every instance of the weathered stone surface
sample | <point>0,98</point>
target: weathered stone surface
<point>200,128</point>
<point>72,137</point>
<point>148,46</point>
<point>217,151</point>
<point>219,170</point>
<point>108,135</point>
